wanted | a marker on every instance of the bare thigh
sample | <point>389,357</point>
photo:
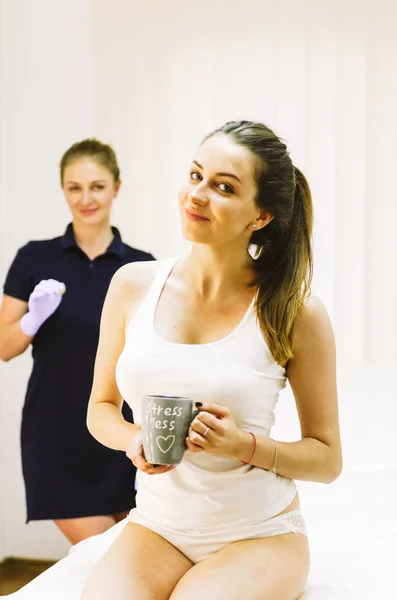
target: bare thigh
<point>140,565</point>
<point>271,568</point>
<point>77,530</point>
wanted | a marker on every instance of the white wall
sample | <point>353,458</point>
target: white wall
<point>46,104</point>
<point>152,78</point>
<point>322,74</point>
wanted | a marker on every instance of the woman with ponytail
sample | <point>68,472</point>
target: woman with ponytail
<point>226,325</point>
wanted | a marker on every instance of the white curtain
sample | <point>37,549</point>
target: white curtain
<point>321,73</point>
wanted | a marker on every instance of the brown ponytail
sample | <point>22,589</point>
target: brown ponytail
<point>283,258</point>
<point>284,273</point>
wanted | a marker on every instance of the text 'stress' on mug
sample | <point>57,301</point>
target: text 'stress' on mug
<point>165,425</point>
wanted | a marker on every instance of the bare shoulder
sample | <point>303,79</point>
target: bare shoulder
<point>312,324</point>
<point>130,284</point>
<point>313,309</point>
<point>137,276</point>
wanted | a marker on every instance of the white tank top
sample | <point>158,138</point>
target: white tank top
<point>237,371</point>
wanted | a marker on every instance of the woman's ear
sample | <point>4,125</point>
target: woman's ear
<point>262,220</point>
<point>117,186</point>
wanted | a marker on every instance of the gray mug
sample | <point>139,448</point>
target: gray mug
<point>165,425</point>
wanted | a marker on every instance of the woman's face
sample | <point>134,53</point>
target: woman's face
<point>89,189</point>
<point>217,202</point>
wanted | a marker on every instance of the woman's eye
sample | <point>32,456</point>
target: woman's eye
<point>195,176</point>
<point>73,189</point>
<point>99,187</point>
<point>226,188</point>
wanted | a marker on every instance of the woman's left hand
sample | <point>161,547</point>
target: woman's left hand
<point>214,431</point>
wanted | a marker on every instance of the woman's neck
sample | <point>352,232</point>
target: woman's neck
<point>218,271</point>
<point>93,239</point>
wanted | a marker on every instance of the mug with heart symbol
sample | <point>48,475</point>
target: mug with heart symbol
<point>165,425</point>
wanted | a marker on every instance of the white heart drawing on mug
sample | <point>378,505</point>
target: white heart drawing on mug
<point>161,437</point>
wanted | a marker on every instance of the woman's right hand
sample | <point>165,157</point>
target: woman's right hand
<point>136,455</point>
<point>43,302</point>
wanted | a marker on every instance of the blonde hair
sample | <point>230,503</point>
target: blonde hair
<point>101,153</point>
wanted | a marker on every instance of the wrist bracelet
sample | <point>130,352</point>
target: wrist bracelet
<point>275,458</point>
<point>253,451</point>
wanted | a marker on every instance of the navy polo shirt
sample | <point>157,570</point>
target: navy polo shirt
<point>57,449</point>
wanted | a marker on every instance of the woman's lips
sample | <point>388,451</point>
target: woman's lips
<point>88,211</point>
<point>194,217</point>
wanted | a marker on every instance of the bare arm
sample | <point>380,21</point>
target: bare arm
<point>13,341</point>
<point>104,418</point>
<point>312,375</point>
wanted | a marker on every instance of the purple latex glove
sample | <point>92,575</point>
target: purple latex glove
<point>43,302</point>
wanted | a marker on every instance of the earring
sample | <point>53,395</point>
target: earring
<point>253,226</point>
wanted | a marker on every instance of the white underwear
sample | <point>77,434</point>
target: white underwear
<point>198,544</point>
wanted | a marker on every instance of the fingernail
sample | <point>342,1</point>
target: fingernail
<point>198,404</point>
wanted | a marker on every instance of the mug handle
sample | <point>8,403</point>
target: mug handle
<point>194,414</point>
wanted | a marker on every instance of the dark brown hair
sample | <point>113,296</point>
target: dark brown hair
<point>101,153</point>
<point>283,260</point>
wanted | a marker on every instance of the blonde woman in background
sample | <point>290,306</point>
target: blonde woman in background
<point>70,478</point>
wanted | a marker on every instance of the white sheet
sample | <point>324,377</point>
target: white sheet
<point>353,537</point>
<point>352,525</point>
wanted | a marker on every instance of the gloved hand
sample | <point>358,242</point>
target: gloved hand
<point>43,302</point>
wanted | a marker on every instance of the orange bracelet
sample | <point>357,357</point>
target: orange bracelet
<point>253,451</point>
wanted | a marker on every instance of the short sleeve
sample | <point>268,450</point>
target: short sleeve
<point>19,280</point>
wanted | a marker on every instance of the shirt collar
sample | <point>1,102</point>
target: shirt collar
<point>116,246</point>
